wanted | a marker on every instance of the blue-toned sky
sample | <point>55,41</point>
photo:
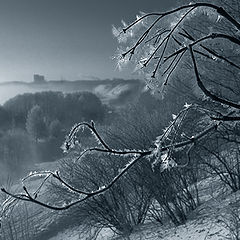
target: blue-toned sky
<point>68,39</point>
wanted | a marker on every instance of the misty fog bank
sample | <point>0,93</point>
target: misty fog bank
<point>106,90</point>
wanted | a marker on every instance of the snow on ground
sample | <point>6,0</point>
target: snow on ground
<point>70,234</point>
<point>77,233</point>
<point>197,229</point>
<point>207,222</point>
<point>30,214</point>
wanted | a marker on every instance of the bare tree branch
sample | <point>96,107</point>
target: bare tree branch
<point>203,88</point>
<point>137,156</point>
<point>168,141</point>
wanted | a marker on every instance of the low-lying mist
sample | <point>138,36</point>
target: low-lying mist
<point>106,90</point>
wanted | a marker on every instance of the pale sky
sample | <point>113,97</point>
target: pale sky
<point>64,39</point>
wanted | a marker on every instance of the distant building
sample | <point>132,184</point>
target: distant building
<point>38,78</point>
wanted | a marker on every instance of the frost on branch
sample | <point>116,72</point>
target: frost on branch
<point>158,43</point>
<point>167,162</point>
<point>158,46</point>
<point>162,160</point>
<point>71,139</point>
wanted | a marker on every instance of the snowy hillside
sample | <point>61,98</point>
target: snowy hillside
<point>209,221</point>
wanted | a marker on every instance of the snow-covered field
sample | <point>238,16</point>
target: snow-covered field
<point>208,222</point>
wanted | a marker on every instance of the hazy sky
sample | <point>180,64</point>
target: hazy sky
<point>68,39</point>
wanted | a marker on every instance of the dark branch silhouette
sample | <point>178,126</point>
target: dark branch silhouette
<point>162,144</point>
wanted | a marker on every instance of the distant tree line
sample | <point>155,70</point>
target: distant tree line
<point>67,108</point>
<point>33,125</point>
<point>193,51</point>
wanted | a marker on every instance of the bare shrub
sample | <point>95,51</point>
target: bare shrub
<point>121,208</point>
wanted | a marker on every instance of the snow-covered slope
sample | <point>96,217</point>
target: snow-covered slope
<point>209,221</point>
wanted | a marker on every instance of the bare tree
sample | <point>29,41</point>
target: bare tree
<point>164,45</point>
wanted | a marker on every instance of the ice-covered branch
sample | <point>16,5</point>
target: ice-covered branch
<point>204,89</point>
<point>219,10</point>
<point>170,140</point>
<point>136,156</point>
<point>159,53</point>
<point>210,36</point>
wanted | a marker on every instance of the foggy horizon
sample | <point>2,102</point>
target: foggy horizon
<point>63,40</point>
<point>91,152</point>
